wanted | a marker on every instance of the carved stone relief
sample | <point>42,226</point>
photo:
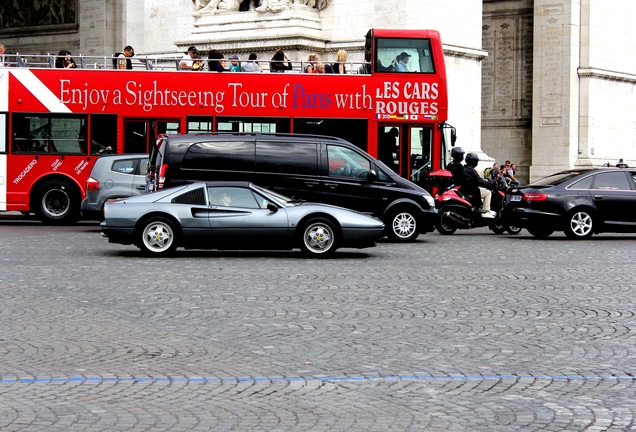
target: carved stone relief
<point>204,7</point>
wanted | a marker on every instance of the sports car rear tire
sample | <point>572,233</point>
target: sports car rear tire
<point>158,237</point>
<point>319,238</point>
<point>580,224</point>
<point>513,230</point>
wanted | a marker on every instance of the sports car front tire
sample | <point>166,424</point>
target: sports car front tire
<point>319,237</point>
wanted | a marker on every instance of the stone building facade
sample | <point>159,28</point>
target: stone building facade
<point>544,83</point>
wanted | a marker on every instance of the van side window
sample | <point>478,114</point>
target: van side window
<point>220,156</point>
<point>344,162</point>
<point>287,157</point>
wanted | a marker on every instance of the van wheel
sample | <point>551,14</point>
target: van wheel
<point>401,226</point>
<point>57,203</point>
<point>319,238</point>
<point>158,237</point>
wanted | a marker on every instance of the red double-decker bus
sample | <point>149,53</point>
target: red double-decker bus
<point>54,123</point>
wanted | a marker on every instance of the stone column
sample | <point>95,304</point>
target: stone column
<point>99,21</point>
<point>555,123</point>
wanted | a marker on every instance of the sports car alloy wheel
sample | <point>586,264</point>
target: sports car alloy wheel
<point>580,225</point>
<point>158,237</point>
<point>319,238</point>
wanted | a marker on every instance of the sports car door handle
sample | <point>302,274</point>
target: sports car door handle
<point>598,197</point>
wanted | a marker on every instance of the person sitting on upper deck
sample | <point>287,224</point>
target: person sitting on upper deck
<point>188,60</point>
<point>64,60</point>
<point>312,60</point>
<point>216,62</point>
<point>278,62</point>
<point>123,59</point>
<point>251,65</point>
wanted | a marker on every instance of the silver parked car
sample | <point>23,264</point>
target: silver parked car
<point>234,215</point>
<point>113,176</point>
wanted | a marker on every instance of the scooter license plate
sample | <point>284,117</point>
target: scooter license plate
<point>515,198</point>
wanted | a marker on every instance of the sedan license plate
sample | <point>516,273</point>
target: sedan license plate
<point>515,198</point>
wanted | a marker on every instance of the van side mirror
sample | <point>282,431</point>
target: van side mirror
<point>372,176</point>
<point>272,207</point>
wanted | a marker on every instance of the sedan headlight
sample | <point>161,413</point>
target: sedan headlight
<point>429,199</point>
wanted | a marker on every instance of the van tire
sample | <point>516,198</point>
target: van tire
<point>401,226</point>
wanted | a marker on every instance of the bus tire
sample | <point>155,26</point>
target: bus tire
<point>57,202</point>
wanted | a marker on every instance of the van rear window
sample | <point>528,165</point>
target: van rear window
<point>220,156</point>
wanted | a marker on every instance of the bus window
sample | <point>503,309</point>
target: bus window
<point>420,152</point>
<point>48,133</point>
<point>352,130</point>
<point>414,54</point>
<point>3,133</point>
<point>388,147</point>
<point>103,133</point>
<point>199,124</point>
<point>167,127</point>
<point>252,125</point>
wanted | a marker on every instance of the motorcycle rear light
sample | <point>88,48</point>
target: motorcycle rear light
<point>535,196</point>
<point>92,184</point>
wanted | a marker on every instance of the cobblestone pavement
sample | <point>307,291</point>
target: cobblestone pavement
<point>473,332</point>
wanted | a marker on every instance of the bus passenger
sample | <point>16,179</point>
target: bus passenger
<point>235,66</point>
<point>251,65</point>
<point>339,66</point>
<point>3,49</point>
<point>320,68</point>
<point>64,60</point>
<point>313,59</point>
<point>187,61</point>
<point>216,62</point>
<point>278,62</point>
<point>123,59</point>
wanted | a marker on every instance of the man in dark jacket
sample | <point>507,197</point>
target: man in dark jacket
<point>477,185</point>
<point>456,167</point>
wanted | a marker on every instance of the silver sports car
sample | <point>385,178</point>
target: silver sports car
<point>234,215</point>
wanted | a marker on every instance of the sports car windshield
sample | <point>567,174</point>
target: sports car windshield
<point>556,179</point>
<point>276,195</point>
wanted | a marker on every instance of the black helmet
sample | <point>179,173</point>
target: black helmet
<point>457,153</point>
<point>472,159</point>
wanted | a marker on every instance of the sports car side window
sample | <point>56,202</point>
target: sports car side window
<point>232,197</point>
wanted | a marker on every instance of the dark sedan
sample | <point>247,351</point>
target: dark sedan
<point>234,215</point>
<point>578,202</point>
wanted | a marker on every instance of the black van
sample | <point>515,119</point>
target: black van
<point>309,167</point>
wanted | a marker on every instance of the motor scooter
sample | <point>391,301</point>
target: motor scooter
<point>456,211</point>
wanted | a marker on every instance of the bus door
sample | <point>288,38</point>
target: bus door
<point>140,134</point>
<point>406,149</point>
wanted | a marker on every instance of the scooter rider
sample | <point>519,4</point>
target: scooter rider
<point>475,181</point>
<point>455,167</point>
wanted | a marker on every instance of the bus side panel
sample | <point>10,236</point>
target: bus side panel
<point>3,181</point>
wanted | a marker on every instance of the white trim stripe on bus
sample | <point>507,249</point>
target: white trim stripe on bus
<point>40,91</point>
<point>4,90</point>
<point>3,182</point>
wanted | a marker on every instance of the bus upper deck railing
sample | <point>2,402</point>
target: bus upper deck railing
<point>150,62</point>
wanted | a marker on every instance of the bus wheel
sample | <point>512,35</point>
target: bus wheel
<point>401,226</point>
<point>57,203</point>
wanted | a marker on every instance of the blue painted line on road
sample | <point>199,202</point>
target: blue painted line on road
<point>223,380</point>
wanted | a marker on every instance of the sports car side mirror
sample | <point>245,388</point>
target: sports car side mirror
<point>272,207</point>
